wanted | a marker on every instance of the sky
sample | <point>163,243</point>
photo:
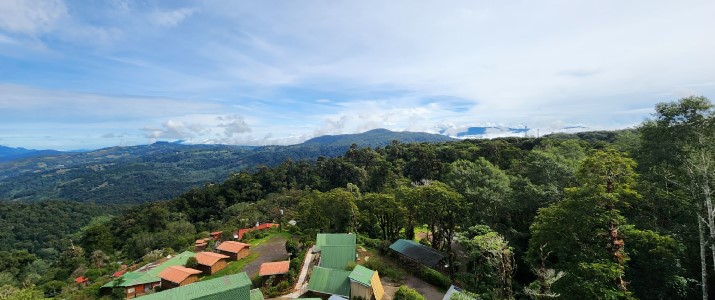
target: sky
<point>91,74</point>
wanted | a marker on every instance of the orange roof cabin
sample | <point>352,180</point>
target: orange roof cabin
<point>263,226</point>
<point>216,235</point>
<point>274,268</point>
<point>119,273</point>
<point>176,276</point>
<point>84,281</point>
<point>200,245</point>
<point>210,263</point>
<point>234,250</point>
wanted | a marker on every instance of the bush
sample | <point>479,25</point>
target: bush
<point>435,278</point>
<point>368,242</point>
<point>406,293</point>
<point>385,270</point>
<point>191,263</point>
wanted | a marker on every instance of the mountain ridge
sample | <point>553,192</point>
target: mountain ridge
<point>158,171</point>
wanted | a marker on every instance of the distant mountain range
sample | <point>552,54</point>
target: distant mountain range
<point>9,153</point>
<point>161,170</point>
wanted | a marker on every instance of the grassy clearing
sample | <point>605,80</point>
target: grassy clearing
<point>384,266</point>
<point>233,267</point>
<point>271,235</point>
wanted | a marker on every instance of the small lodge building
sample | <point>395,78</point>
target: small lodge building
<point>176,276</point>
<point>365,283</point>
<point>83,281</point>
<point>216,235</point>
<point>334,239</point>
<point>419,255</point>
<point>236,286</point>
<point>278,269</point>
<point>210,263</point>
<point>146,278</point>
<point>200,245</point>
<point>234,250</point>
<point>327,281</point>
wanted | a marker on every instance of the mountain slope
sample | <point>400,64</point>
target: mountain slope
<point>9,153</point>
<point>377,137</point>
<point>163,170</point>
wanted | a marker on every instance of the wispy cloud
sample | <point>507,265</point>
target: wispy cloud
<point>285,72</point>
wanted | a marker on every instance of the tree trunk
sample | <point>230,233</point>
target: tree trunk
<point>703,262</point>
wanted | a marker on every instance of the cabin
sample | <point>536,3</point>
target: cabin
<point>334,239</point>
<point>239,235</point>
<point>216,235</point>
<point>210,263</point>
<point>419,255</point>
<point>326,282</point>
<point>278,269</point>
<point>119,273</point>
<point>236,286</point>
<point>176,276</point>
<point>83,281</point>
<point>234,250</point>
<point>200,245</point>
<point>365,283</point>
<point>146,278</point>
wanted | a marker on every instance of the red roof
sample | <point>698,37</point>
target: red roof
<point>119,273</point>
<point>274,268</point>
<point>263,226</point>
<point>209,258</point>
<point>231,246</point>
<point>177,274</point>
<point>81,279</point>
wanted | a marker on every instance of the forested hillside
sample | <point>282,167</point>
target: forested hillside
<point>160,171</point>
<point>603,215</point>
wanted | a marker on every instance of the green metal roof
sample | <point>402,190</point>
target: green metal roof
<point>151,274</point>
<point>418,252</point>
<point>236,286</point>
<point>362,275</point>
<point>256,294</point>
<point>334,239</point>
<point>329,281</point>
<point>337,257</point>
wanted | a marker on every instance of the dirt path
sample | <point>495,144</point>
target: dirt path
<point>272,250</point>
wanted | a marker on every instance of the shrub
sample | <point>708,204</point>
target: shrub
<point>368,242</point>
<point>435,278</point>
<point>385,270</point>
<point>406,293</point>
<point>191,263</point>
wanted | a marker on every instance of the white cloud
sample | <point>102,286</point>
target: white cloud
<point>172,18</point>
<point>233,125</point>
<point>31,16</point>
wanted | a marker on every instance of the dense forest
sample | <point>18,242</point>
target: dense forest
<point>597,215</point>
<point>160,171</point>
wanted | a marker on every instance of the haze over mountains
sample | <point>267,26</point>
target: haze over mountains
<point>161,170</point>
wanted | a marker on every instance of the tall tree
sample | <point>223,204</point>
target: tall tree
<point>678,146</point>
<point>491,262</point>
<point>576,229</point>
<point>485,187</point>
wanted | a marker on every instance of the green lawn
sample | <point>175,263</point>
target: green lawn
<point>233,267</point>
<point>262,240</point>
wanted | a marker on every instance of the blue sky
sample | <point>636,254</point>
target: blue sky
<point>91,74</point>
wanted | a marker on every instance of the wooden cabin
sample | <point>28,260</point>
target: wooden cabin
<point>234,250</point>
<point>210,263</point>
<point>176,276</point>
